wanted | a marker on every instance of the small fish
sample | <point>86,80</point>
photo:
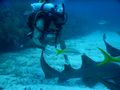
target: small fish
<point>68,51</point>
<point>102,22</point>
<point>108,58</point>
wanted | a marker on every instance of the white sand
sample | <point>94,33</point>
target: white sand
<point>22,70</point>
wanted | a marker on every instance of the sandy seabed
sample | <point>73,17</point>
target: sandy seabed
<point>22,71</point>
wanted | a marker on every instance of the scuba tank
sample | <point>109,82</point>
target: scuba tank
<point>46,7</point>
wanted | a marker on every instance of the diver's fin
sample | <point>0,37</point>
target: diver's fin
<point>87,62</point>
<point>107,58</point>
<point>110,49</point>
<point>48,71</point>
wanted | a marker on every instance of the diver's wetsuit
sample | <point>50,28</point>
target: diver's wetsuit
<point>48,17</point>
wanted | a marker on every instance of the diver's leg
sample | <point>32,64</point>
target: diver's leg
<point>63,46</point>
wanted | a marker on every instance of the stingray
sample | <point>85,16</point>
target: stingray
<point>110,49</point>
<point>90,70</point>
<point>87,72</point>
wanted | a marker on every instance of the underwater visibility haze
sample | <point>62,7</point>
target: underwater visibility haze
<point>59,44</point>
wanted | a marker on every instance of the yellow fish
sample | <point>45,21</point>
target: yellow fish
<point>67,51</point>
<point>108,58</point>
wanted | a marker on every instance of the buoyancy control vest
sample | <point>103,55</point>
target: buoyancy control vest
<point>50,14</point>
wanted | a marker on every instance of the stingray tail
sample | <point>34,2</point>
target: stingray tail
<point>107,58</point>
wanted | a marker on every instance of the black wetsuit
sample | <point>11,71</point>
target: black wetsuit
<point>48,17</point>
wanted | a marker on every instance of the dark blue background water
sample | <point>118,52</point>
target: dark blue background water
<point>86,15</point>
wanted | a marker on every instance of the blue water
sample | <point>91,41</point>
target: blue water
<point>19,57</point>
<point>86,15</point>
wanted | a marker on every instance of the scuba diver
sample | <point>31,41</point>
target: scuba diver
<point>46,22</point>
